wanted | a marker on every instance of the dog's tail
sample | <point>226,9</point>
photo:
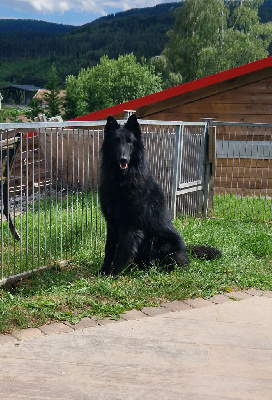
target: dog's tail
<point>205,252</point>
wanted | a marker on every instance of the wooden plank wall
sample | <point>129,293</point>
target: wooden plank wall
<point>41,162</point>
<point>248,103</point>
<point>244,163</point>
<point>243,177</point>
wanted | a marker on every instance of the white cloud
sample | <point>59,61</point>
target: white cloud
<point>94,6</point>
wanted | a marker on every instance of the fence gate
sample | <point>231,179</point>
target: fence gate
<point>191,172</point>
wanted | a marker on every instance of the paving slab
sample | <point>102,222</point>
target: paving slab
<point>6,339</point>
<point>254,311</point>
<point>267,293</point>
<point>56,328</point>
<point>198,303</point>
<point>133,315</point>
<point>86,322</point>
<point>239,295</point>
<point>152,311</point>
<point>254,292</point>
<point>219,299</point>
<point>29,333</point>
<point>176,305</point>
<point>217,352</point>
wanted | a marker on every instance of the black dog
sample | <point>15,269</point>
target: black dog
<point>139,228</point>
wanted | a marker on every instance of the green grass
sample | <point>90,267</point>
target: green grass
<point>72,292</point>
<point>51,230</point>
<point>243,208</point>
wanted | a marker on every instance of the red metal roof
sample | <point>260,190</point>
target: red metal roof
<point>178,90</point>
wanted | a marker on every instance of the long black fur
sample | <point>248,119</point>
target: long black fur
<point>139,228</point>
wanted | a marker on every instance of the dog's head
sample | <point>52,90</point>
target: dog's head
<point>122,145</point>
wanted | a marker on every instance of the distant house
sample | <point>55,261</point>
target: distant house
<point>19,94</point>
<point>241,94</point>
<point>41,92</point>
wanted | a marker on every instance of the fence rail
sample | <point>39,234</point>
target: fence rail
<point>51,185</point>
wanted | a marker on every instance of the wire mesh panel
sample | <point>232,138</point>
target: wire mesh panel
<point>51,196</point>
<point>51,187</point>
<point>159,142</point>
<point>243,178</point>
<point>175,151</point>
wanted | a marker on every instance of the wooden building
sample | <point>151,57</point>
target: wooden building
<point>243,95</point>
<point>19,94</point>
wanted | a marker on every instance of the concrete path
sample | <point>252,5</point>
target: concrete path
<point>208,350</point>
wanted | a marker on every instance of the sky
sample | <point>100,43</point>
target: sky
<point>71,12</point>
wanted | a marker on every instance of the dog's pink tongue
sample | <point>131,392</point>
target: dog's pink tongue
<point>123,165</point>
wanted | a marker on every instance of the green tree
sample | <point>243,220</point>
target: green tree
<point>52,97</point>
<point>4,115</point>
<point>212,35</point>
<point>110,82</point>
<point>10,115</point>
<point>161,67</point>
<point>35,108</point>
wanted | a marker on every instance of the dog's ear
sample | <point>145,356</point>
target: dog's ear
<point>133,125</point>
<point>111,124</point>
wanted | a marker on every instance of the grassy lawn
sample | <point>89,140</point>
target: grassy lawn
<point>72,292</point>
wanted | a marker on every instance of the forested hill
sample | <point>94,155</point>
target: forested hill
<point>29,47</point>
<point>32,25</point>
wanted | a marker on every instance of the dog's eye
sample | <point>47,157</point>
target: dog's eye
<point>129,141</point>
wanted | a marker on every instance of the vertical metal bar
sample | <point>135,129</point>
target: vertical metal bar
<point>45,195</point>
<point>99,216</point>
<point>8,232</point>
<point>21,201</point>
<point>2,202</point>
<point>39,201</point>
<point>67,192</point>
<point>27,195</point>
<point>50,194</point>
<point>61,191</point>
<point>77,187</point>
<point>231,170</point>
<point>87,189</point>
<point>73,190</point>
<point>244,168</point>
<point>92,183</point>
<point>176,168</point>
<point>33,203</point>
<point>206,173</point>
<point>14,205</point>
<point>56,141</point>
<point>269,161</point>
<point>82,184</point>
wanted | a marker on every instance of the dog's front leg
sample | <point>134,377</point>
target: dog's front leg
<point>110,248</point>
<point>127,249</point>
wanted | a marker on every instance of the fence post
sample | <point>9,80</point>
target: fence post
<point>128,113</point>
<point>176,169</point>
<point>212,162</point>
<point>208,166</point>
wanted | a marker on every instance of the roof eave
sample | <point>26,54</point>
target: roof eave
<point>237,76</point>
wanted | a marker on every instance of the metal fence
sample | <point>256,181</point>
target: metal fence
<point>49,182</point>
<point>49,203</point>
<point>243,173</point>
